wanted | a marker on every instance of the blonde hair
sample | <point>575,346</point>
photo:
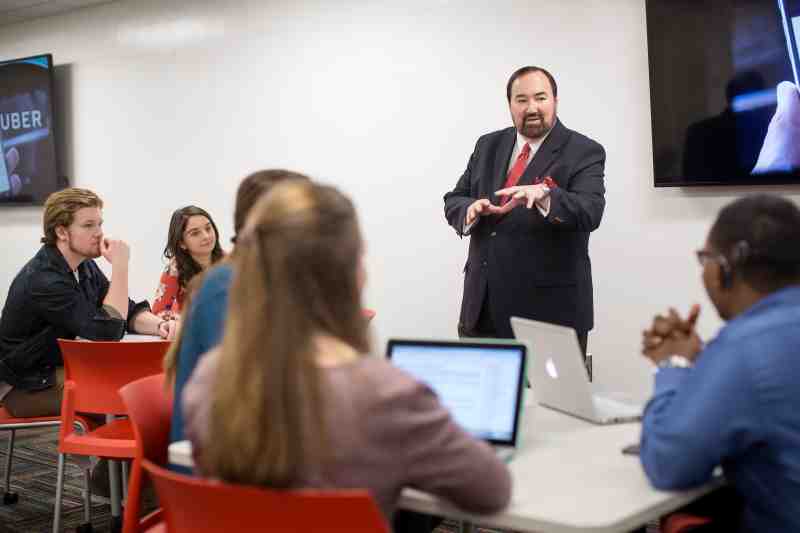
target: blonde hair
<point>60,208</point>
<point>295,277</point>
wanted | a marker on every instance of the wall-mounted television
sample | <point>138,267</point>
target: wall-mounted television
<point>715,70</point>
<point>28,163</point>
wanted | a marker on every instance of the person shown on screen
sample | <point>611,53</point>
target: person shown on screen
<point>192,246</point>
<point>529,198</point>
<point>781,149</point>
<point>62,293</point>
<point>725,146</point>
<point>291,390</point>
<point>734,401</point>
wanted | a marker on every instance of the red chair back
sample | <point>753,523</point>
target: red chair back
<point>149,407</point>
<point>99,369</point>
<point>195,505</point>
<point>9,421</point>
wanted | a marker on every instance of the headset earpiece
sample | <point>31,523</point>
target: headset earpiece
<point>739,254</point>
<point>726,274</point>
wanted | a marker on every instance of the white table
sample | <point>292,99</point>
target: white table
<point>569,476</point>
<point>180,453</point>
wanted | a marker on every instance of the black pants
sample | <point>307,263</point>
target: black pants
<point>411,522</point>
<point>723,506</point>
<point>484,328</point>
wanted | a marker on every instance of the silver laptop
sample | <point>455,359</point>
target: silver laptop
<point>559,378</point>
<point>481,383</point>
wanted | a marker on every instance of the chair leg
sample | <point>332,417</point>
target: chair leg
<point>466,527</point>
<point>114,495</point>
<point>86,527</point>
<point>59,489</point>
<point>124,481</point>
<point>87,496</point>
<point>10,498</point>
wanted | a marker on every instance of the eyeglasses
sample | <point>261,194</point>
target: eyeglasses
<point>704,256</point>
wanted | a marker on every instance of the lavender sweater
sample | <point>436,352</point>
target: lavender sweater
<point>390,432</point>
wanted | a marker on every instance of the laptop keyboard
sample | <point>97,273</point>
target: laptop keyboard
<point>504,453</point>
<point>608,408</point>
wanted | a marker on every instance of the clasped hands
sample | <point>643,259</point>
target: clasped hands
<point>671,334</point>
<point>519,195</point>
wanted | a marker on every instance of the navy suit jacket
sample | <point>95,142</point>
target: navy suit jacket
<point>533,266</point>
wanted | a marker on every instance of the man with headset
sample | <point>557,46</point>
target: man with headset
<point>734,401</point>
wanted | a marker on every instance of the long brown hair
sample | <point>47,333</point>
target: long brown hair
<point>184,262</point>
<point>296,276</point>
<point>250,190</point>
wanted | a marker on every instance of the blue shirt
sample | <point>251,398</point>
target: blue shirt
<point>739,407</point>
<point>203,327</point>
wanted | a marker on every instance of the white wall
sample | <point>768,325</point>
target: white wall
<point>168,103</point>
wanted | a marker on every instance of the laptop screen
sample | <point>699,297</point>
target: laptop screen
<point>481,384</point>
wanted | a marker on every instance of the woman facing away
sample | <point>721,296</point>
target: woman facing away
<point>192,246</point>
<point>291,390</point>
<point>205,304</point>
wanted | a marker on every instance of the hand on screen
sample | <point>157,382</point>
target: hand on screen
<point>671,334</point>
<point>781,149</point>
<point>12,160</point>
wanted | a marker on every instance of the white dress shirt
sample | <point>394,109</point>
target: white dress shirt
<point>521,140</point>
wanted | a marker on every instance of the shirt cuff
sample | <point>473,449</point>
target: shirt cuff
<point>468,227</point>
<point>133,312</point>
<point>544,206</point>
<point>670,379</point>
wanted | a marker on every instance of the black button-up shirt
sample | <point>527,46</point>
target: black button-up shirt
<point>45,303</point>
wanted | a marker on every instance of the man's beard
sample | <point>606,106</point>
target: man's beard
<point>535,130</point>
<point>92,252</point>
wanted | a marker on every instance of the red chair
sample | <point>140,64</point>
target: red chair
<point>12,424</point>
<point>195,505</point>
<point>682,523</point>
<point>149,407</point>
<point>93,374</point>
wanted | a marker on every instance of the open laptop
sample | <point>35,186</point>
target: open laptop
<point>560,380</point>
<point>481,383</point>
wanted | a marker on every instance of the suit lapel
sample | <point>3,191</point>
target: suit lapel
<point>546,155</point>
<point>501,158</point>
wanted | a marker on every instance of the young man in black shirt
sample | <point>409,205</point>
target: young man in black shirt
<point>61,293</point>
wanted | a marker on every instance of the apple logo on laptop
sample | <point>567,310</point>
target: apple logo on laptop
<point>550,366</point>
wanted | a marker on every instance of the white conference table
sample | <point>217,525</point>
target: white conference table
<point>569,476</point>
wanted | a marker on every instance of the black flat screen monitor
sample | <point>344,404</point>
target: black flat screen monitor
<point>715,70</point>
<point>28,162</point>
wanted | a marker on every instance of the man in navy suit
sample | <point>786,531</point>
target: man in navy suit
<point>529,198</point>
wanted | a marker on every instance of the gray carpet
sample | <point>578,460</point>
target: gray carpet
<point>34,480</point>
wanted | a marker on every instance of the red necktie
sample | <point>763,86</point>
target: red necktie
<point>516,171</point>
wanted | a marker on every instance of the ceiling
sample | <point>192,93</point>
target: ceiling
<point>12,11</point>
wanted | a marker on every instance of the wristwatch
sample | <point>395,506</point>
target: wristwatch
<point>549,184</point>
<point>675,361</point>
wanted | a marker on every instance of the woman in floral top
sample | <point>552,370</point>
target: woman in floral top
<point>192,245</point>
